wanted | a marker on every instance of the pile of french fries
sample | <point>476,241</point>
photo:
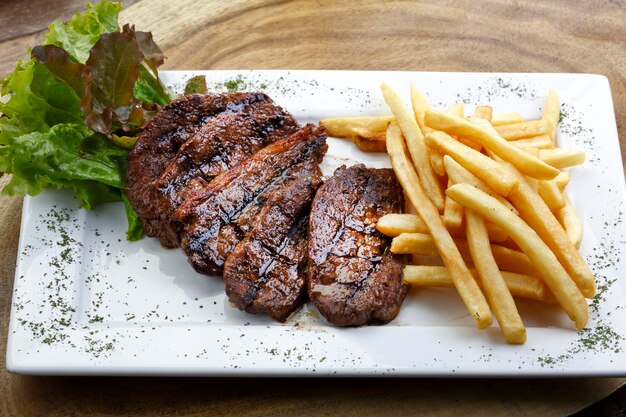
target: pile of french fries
<point>493,219</point>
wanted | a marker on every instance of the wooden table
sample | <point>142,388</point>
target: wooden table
<point>485,35</point>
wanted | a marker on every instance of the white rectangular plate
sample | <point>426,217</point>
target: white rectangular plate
<point>86,301</point>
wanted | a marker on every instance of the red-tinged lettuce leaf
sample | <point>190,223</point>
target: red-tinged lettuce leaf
<point>59,63</point>
<point>152,53</point>
<point>111,73</point>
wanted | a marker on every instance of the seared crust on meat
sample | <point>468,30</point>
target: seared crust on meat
<point>217,216</point>
<point>353,277</point>
<point>266,273</point>
<point>162,138</point>
<point>223,142</point>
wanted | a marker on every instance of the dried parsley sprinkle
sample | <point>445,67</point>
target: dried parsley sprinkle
<point>601,338</point>
<point>234,85</point>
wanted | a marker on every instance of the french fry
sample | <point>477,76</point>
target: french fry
<point>562,158</point>
<point>394,224</point>
<point>416,145</point>
<point>463,280</point>
<point>499,119</point>
<point>460,127</point>
<point>343,127</point>
<point>422,244</point>
<point>458,174</point>
<point>538,216</point>
<point>543,259</point>
<point>483,112</point>
<point>457,109</point>
<point>498,294</point>
<point>539,142</point>
<point>552,113</point>
<point>369,141</point>
<point>452,212</point>
<point>420,105</point>
<point>436,162</point>
<point>520,285</point>
<point>478,164</point>
<point>571,222</point>
<point>562,180</point>
<point>496,234</point>
<point>551,195</point>
<point>531,150</point>
<point>524,130</point>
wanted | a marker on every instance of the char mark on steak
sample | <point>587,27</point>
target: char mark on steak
<point>354,279</point>
<point>160,141</point>
<point>266,273</point>
<point>216,216</point>
<point>225,141</point>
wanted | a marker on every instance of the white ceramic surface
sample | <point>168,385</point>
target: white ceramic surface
<point>86,301</point>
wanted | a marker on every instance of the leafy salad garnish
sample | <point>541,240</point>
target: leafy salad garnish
<point>71,113</point>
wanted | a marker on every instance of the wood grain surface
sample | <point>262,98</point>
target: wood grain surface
<point>478,35</point>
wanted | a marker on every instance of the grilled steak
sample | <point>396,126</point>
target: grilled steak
<point>217,215</point>
<point>266,273</point>
<point>222,143</point>
<point>353,277</point>
<point>161,140</point>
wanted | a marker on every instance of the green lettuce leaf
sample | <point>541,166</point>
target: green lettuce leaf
<point>74,109</point>
<point>149,89</point>
<point>37,100</point>
<point>134,231</point>
<point>68,155</point>
<point>84,29</point>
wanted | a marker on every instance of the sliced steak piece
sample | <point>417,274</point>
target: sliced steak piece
<point>266,273</point>
<point>353,277</point>
<point>161,140</point>
<point>216,216</point>
<point>225,141</point>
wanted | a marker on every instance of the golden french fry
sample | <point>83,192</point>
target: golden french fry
<point>552,113</point>
<point>498,294</point>
<point>478,164</point>
<point>436,162</point>
<point>538,216</point>
<point>422,244</point>
<point>420,105</point>
<point>460,127</point>
<point>343,127</point>
<point>463,280</point>
<point>499,119</point>
<point>452,213</point>
<point>543,259</point>
<point>571,222</point>
<point>458,174</point>
<point>524,130</point>
<point>562,158</point>
<point>562,180</point>
<point>496,234</point>
<point>369,141</point>
<point>457,109</point>
<point>416,145</point>
<point>539,142</point>
<point>551,194</point>
<point>520,285</point>
<point>394,224</point>
<point>483,112</point>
